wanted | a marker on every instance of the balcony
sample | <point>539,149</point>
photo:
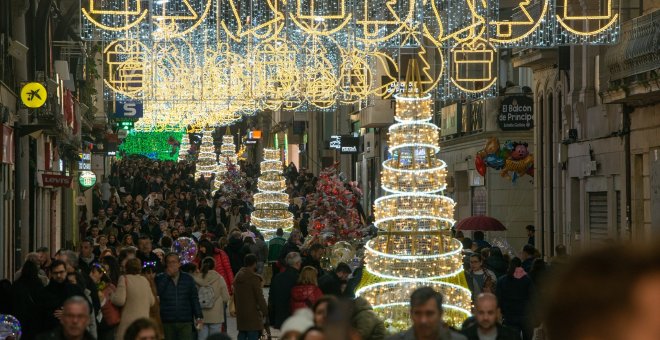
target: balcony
<point>634,64</point>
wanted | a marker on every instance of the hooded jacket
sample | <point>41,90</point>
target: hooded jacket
<point>215,314</point>
<point>251,308</point>
<point>366,322</point>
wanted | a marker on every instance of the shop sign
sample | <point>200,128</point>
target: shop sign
<point>33,95</point>
<point>346,144</point>
<point>58,181</point>
<point>128,109</point>
<point>87,179</point>
<point>516,113</point>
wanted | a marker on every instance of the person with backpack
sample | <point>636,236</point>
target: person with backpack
<point>213,294</point>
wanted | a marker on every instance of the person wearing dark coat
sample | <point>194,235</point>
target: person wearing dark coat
<point>291,245</point>
<point>251,308</point>
<point>496,262</point>
<point>25,300</point>
<point>179,302</point>
<point>331,282</point>
<point>74,325</point>
<point>279,295</point>
<point>486,323</point>
<point>236,251</point>
<point>55,293</point>
<point>514,291</point>
<point>313,258</point>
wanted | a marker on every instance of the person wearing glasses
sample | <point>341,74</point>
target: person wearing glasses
<point>56,293</point>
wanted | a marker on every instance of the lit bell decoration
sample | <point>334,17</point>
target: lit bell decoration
<point>272,202</point>
<point>414,247</point>
<point>206,162</point>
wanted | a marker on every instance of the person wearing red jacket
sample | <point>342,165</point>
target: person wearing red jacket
<point>222,265</point>
<point>306,292</point>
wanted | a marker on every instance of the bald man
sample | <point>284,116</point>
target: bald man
<point>488,326</point>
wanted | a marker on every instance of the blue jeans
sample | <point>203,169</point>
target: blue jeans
<point>208,329</point>
<point>249,335</point>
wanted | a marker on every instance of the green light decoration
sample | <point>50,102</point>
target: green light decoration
<point>162,145</point>
<point>87,179</point>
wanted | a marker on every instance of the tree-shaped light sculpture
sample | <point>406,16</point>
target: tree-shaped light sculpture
<point>272,202</point>
<point>227,156</point>
<point>414,247</point>
<point>206,162</point>
<point>184,147</point>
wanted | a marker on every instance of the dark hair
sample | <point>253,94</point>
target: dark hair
<point>529,249</point>
<point>133,266</point>
<point>144,237</point>
<point>513,264</point>
<point>316,246</point>
<point>478,235</point>
<point>311,329</point>
<point>29,272</point>
<point>139,325</point>
<point>42,250</point>
<point>166,242</point>
<point>478,256</point>
<point>250,260</point>
<point>496,251</point>
<point>279,232</point>
<point>55,264</point>
<point>592,290</point>
<point>170,254</point>
<point>467,243</point>
<point>421,295</point>
<point>343,268</point>
<point>189,268</point>
<point>113,268</point>
<point>208,263</point>
<point>530,227</point>
<point>207,245</point>
<point>329,299</point>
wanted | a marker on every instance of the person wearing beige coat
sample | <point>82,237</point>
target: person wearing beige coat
<point>134,295</point>
<point>214,316</point>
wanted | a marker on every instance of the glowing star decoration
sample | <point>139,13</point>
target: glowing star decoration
<point>414,247</point>
<point>272,202</point>
<point>380,20</point>
<point>175,18</point>
<point>125,62</point>
<point>473,65</point>
<point>325,17</point>
<point>114,15</point>
<point>587,19</point>
<point>241,19</point>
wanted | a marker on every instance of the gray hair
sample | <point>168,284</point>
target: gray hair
<point>292,258</point>
<point>70,258</point>
<point>76,300</point>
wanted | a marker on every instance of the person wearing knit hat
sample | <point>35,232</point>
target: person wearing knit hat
<point>297,324</point>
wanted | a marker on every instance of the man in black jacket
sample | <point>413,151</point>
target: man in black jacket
<point>331,282</point>
<point>487,314</point>
<point>279,296</point>
<point>179,302</point>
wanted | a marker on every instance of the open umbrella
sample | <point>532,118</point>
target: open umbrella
<point>483,223</point>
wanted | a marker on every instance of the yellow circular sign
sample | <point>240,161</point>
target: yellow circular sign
<point>33,95</point>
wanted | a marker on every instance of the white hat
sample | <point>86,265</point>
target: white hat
<point>300,321</point>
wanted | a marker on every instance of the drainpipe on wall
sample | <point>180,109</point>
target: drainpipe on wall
<point>627,110</point>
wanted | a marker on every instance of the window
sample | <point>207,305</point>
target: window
<point>598,226</point>
<point>479,200</point>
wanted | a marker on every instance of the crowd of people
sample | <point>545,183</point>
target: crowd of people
<point>125,282</point>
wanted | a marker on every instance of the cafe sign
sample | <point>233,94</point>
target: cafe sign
<point>516,113</point>
<point>87,179</point>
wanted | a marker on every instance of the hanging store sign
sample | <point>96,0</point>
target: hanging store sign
<point>58,181</point>
<point>33,95</point>
<point>129,109</point>
<point>516,113</point>
<point>87,179</point>
<point>346,144</point>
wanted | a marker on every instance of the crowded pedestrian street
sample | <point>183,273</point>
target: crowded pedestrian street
<point>329,170</point>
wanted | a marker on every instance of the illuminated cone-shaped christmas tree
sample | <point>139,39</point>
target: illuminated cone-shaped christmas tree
<point>227,156</point>
<point>272,202</point>
<point>206,161</point>
<point>184,147</point>
<point>414,247</point>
